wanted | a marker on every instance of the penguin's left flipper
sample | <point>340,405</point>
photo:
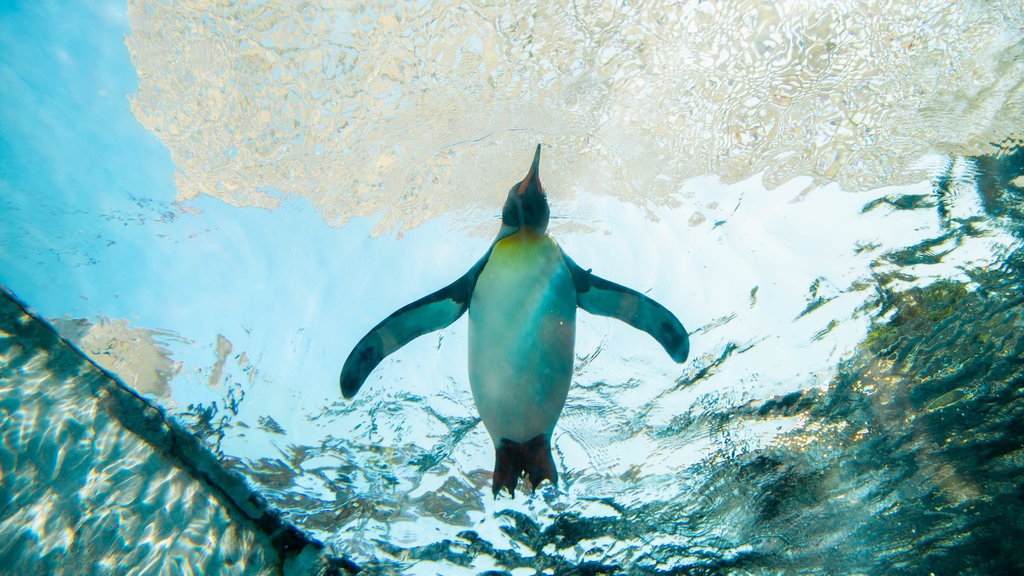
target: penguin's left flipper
<point>605,298</point>
<point>428,314</point>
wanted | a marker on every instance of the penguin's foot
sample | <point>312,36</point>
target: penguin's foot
<point>513,459</point>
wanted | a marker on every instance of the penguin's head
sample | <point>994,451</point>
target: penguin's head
<point>526,204</point>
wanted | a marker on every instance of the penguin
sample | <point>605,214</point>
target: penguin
<point>522,298</point>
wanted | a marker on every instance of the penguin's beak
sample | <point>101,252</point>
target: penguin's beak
<point>526,204</point>
<point>533,176</point>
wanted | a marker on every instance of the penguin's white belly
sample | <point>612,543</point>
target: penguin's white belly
<point>522,333</point>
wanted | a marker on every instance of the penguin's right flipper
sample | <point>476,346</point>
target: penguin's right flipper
<point>428,314</point>
<point>606,298</point>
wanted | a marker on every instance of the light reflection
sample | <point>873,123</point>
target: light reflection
<point>735,89</point>
<point>657,96</point>
<point>86,492</point>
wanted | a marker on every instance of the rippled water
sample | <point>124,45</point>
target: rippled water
<point>85,488</point>
<point>368,108</point>
<point>828,196</point>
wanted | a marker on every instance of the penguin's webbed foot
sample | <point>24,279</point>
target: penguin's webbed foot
<point>513,459</point>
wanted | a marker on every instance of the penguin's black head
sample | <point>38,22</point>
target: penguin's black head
<point>526,204</point>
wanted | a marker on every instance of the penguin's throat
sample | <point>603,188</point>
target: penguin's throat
<point>525,245</point>
<point>528,234</point>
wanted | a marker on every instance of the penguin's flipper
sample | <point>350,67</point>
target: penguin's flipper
<point>428,314</point>
<point>605,298</point>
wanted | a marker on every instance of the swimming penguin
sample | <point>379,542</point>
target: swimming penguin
<point>522,298</point>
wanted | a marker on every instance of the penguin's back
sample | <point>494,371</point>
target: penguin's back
<point>522,335</point>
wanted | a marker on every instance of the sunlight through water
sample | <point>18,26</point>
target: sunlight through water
<point>214,201</point>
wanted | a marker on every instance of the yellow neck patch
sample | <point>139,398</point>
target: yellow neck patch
<point>526,246</point>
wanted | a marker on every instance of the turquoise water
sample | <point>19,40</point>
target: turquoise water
<point>95,483</point>
<point>214,202</point>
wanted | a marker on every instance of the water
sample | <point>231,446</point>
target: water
<point>215,201</point>
<point>82,492</point>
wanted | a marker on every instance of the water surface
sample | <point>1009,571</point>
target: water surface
<point>216,201</point>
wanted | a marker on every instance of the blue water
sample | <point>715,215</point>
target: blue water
<point>852,403</point>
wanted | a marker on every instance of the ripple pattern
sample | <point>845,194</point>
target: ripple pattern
<point>406,111</point>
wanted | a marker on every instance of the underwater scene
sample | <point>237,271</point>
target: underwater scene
<point>205,206</point>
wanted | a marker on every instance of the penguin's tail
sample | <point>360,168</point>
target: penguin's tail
<point>513,459</point>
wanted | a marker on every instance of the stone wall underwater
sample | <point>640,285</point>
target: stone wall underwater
<point>95,480</point>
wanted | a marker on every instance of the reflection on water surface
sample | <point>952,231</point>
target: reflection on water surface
<point>412,109</point>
